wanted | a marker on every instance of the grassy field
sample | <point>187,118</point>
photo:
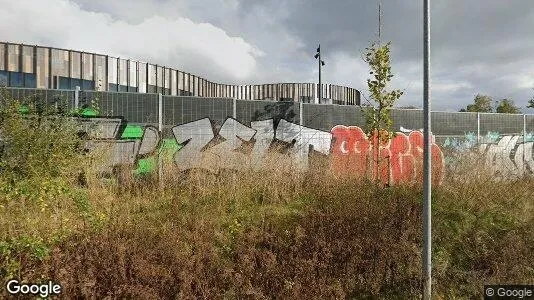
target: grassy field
<point>266,234</point>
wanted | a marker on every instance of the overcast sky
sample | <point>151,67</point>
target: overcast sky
<point>484,46</point>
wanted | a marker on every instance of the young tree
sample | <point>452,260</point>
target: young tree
<point>378,113</point>
<point>507,106</point>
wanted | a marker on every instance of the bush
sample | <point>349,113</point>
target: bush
<point>40,159</point>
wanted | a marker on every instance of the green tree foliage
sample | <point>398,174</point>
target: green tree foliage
<point>378,115</point>
<point>531,102</point>
<point>507,106</point>
<point>378,119</point>
<point>482,103</point>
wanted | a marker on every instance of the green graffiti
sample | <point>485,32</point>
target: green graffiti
<point>146,166</point>
<point>24,109</point>
<point>168,148</point>
<point>166,151</point>
<point>132,132</point>
<point>88,112</point>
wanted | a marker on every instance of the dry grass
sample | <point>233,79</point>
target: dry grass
<point>272,233</point>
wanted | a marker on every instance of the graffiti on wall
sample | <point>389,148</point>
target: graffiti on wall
<point>397,160</point>
<point>469,141</point>
<point>201,150</point>
<point>510,156</point>
<point>505,156</point>
<point>123,144</point>
<point>234,145</point>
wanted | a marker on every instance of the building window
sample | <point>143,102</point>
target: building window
<point>112,87</point>
<point>30,81</point>
<point>132,89</point>
<point>152,89</point>
<point>286,99</point>
<point>123,88</point>
<point>88,85</point>
<point>74,82</point>
<point>185,93</point>
<point>62,83</point>
<point>305,99</point>
<point>15,79</point>
<point>3,78</point>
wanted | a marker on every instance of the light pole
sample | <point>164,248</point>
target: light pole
<point>427,168</point>
<point>321,63</point>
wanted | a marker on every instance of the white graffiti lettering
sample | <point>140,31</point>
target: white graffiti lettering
<point>264,137</point>
<point>104,134</point>
<point>194,136</point>
<point>225,154</point>
<point>507,158</point>
<point>233,133</point>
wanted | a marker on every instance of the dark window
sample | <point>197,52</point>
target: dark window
<point>160,90</point>
<point>30,80</point>
<point>152,89</point>
<point>3,78</point>
<point>305,99</point>
<point>286,99</point>
<point>64,83</point>
<point>74,82</point>
<point>123,88</point>
<point>112,87</point>
<point>132,89</point>
<point>185,93</point>
<point>15,79</point>
<point>88,85</point>
<point>167,91</point>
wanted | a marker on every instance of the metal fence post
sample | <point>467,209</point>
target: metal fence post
<point>234,108</point>
<point>160,129</point>
<point>76,97</point>
<point>478,128</point>
<point>301,123</point>
<point>524,140</point>
<point>160,113</point>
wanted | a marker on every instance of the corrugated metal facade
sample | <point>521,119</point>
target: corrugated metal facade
<point>52,68</point>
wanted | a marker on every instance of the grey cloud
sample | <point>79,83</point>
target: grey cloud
<point>477,46</point>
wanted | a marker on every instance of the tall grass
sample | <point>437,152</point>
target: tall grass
<point>261,234</point>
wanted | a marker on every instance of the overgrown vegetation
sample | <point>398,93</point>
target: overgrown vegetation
<point>254,234</point>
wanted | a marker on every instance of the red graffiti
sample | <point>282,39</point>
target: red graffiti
<point>416,140</point>
<point>396,160</point>
<point>350,151</point>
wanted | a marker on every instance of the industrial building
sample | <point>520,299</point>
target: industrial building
<point>53,68</point>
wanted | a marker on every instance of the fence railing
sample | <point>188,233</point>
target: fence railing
<point>164,112</point>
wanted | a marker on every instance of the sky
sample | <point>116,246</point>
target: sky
<point>477,47</point>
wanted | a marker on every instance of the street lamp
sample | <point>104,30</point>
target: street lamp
<point>321,63</point>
